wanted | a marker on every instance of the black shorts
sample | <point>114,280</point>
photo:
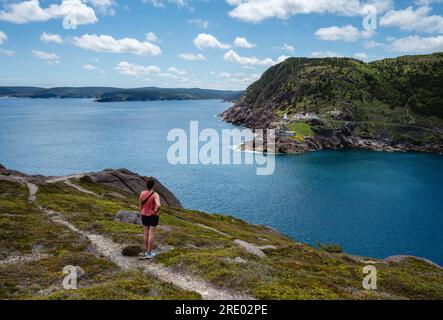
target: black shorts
<point>150,221</point>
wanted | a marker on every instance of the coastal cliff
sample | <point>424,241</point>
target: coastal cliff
<point>335,103</point>
<point>48,223</point>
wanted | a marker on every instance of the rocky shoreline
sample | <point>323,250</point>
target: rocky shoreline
<point>326,138</point>
<point>289,146</point>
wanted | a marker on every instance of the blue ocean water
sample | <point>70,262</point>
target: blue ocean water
<point>373,204</point>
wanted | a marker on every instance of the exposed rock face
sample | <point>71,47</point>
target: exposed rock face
<point>245,115</point>
<point>122,179</point>
<point>343,138</point>
<point>249,247</point>
<point>8,174</point>
<point>401,258</point>
<point>128,217</point>
<point>133,183</point>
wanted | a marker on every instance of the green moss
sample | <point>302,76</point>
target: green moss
<point>14,198</point>
<point>127,286</point>
<point>34,279</point>
<point>25,227</point>
<point>105,191</point>
<point>330,247</point>
<point>301,130</point>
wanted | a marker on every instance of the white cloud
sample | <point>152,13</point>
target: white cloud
<point>168,75</point>
<point>413,20</point>
<point>178,72</point>
<point>192,57</point>
<point>243,43</point>
<point>151,37</point>
<point>90,67</point>
<point>224,75</point>
<point>106,43</point>
<point>50,58</point>
<point>373,44</point>
<point>324,54</point>
<point>48,37</point>
<point>259,10</point>
<point>417,44</point>
<point>233,56</point>
<point>286,47</point>
<point>244,80</point>
<point>132,69</point>
<point>204,24</point>
<point>73,13</point>
<point>237,80</point>
<point>361,56</point>
<point>161,3</point>
<point>24,12</point>
<point>3,37</point>
<point>8,53</point>
<point>205,40</point>
<point>347,33</point>
<point>426,2</point>
<point>104,6</point>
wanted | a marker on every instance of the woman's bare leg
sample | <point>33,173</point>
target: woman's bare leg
<point>146,238</point>
<point>151,238</point>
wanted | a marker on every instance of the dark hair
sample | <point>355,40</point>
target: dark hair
<point>150,184</point>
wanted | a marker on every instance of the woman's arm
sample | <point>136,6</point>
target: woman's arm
<point>157,201</point>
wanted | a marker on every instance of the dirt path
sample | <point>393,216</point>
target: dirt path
<point>66,180</point>
<point>112,251</point>
<point>81,189</point>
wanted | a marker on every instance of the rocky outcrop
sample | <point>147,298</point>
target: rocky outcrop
<point>400,258</point>
<point>128,217</point>
<point>245,115</point>
<point>254,249</point>
<point>122,179</point>
<point>343,138</point>
<point>13,175</point>
<point>131,182</point>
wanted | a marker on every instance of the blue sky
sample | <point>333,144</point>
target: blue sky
<point>220,44</point>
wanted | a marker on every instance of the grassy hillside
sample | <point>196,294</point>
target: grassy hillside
<point>196,244</point>
<point>399,100</point>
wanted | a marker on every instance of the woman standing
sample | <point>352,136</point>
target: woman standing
<point>149,209</point>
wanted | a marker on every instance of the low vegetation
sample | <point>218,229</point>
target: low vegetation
<point>301,130</point>
<point>34,250</point>
<point>190,242</point>
<point>397,100</point>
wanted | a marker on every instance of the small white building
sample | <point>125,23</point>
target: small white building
<point>305,116</point>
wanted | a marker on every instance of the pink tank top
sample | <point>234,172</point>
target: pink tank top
<point>150,207</point>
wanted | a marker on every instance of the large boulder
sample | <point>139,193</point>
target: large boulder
<point>131,182</point>
<point>128,217</point>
